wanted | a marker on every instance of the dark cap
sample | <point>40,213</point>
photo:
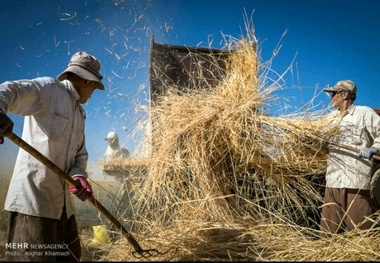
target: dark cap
<point>85,66</point>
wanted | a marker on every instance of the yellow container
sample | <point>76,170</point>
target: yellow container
<point>100,234</point>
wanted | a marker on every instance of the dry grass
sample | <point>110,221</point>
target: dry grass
<point>228,182</point>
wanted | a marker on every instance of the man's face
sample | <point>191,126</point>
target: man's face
<point>86,90</point>
<point>338,97</point>
<point>113,141</point>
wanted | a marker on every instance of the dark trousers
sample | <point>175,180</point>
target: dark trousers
<point>33,238</point>
<point>345,209</point>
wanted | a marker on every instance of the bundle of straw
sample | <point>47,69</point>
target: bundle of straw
<point>227,181</point>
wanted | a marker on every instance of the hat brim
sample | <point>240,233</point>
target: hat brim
<point>81,72</point>
<point>331,89</point>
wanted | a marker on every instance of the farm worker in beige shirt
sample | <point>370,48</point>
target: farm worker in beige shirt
<point>40,203</point>
<point>347,198</point>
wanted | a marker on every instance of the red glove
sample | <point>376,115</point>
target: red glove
<point>84,191</point>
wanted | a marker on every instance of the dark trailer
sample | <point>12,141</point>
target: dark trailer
<point>185,68</point>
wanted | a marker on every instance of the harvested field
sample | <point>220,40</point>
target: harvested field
<point>105,191</point>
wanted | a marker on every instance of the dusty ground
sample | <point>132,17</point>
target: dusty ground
<point>87,215</point>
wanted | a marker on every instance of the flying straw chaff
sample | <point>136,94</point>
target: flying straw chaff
<point>216,148</point>
<point>223,175</point>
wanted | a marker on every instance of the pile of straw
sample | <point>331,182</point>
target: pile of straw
<point>226,181</point>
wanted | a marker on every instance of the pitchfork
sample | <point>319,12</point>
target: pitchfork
<point>139,252</point>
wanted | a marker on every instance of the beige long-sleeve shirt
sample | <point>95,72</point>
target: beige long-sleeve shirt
<point>360,127</point>
<point>53,125</point>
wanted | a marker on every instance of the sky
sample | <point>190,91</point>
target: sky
<point>319,41</point>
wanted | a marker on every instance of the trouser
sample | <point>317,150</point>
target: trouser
<point>32,238</point>
<point>345,209</point>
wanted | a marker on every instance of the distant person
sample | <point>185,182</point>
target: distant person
<point>347,200</point>
<point>41,208</point>
<point>114,150</point>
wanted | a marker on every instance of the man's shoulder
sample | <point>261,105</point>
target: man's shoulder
<point>46,81</point>
<point>125,152</point>
<point>364,108</point>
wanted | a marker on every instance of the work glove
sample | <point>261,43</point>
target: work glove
<point>367,153</point>
<point>6,126</point>
<point>84,189</point>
